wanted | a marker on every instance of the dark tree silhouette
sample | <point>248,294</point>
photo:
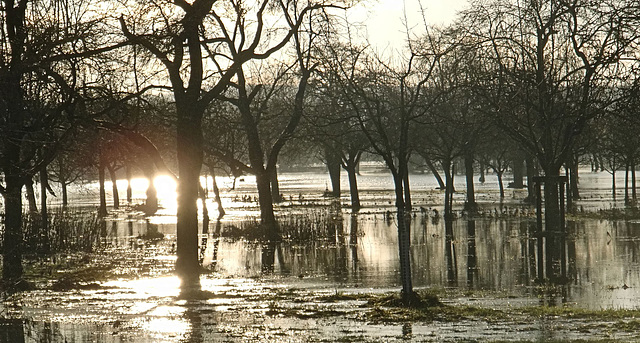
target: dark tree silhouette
<point>546,63</point>
<point>197,35</point>
<point>39,66</point>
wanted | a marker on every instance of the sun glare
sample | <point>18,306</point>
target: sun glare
<point>166,187</point>
<point>137,183</point>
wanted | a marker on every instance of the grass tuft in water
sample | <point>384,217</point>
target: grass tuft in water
<point>390,308</point>
<point>309,226</point>
<point>66,231</point>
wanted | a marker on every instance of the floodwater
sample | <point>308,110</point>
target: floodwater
<point>253,285</point>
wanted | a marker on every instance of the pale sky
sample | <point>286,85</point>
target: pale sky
<point>384,18</point>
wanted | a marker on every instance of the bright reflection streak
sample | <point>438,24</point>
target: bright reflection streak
<point>174,326</point>
<point>167,286</point>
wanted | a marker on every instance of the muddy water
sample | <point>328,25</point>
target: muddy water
<point>253,285</point>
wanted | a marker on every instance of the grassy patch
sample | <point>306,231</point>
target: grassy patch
<point>339,296</point>
<point>445,313</point>
<point>298,313</point>
<point>615,213</point>
<point>391,309</point>
<point>311,225</point>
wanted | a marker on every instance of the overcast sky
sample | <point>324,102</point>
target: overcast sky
<point>384,18</point>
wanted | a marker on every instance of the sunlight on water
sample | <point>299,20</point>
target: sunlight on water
<point>603,255</point>
<point>167,286</point>
<point>175,327</point>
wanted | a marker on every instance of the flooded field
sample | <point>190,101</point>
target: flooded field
<point>327,290</point>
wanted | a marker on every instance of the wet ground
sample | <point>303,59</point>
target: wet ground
<point>331,289</point>
<point>249,310</point>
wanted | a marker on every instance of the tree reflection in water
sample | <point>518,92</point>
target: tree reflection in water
<point>268,257</point>
<point>472,258</point>
<point>193,314</point>
<point>450,253</point>
<point>353,243</point>
<point>498,254</point>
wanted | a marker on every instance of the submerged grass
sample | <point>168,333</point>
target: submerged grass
<point>614,213</point>
<point>65,231</point>
<point>390,309</point>
<point>310,225</point>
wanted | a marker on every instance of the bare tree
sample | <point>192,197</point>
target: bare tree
<point>547,64</point>
<point>40,64</point>
<point>203,45</point>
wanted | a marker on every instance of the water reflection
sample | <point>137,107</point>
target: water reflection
<point>407,331</point>
<point>603,264</point>
<point>602,257</point>
<point>268,257</point>
<point>472,258</point>
<point>450,253</point>
<point>193,315</point>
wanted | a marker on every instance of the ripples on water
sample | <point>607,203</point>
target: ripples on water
<point>495,254</point>
<point>498,254</point>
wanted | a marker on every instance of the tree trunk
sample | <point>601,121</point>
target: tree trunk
<point>404,241</point>
<point>13,237</point>
<point>613,184</point>
<point>500,184</point>
<point>634,195</point>
<point>102,208</point>
<point>256,159</point>
<point>275,187</point>
<point>333,165</point>
<point>482,177</point>
<point>63,183</point>
<point>31,196</point>
<point>574,180</point>
<point>518,172</point>
<point>448,191</point>
<point>114,186</point>
<point>353,188</point>
<point>151,201</point>
<point>531,172</point>
<point>65,194</point>
<point>216,193</point>
<point>267,216</point>
<point>206,183</point>
<point>435,173</point>
<point>44,214</point>
<point>407,191</point>
<point>13,122</point>
<point>127,171</point>
<point>471,204</point>
<point>626,184</point>
<point>189,154</point>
